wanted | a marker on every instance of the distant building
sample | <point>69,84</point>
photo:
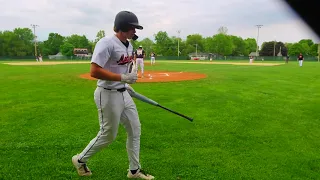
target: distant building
<point>80,51</point>
<point>57,56</point>
<point>202,56</point>
<point>254,54</point>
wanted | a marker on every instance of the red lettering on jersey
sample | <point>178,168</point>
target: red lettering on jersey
<point>124,60</point>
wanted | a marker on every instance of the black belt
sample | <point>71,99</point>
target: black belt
<point>119,90</point>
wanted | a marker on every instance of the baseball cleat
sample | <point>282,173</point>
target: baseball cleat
<point>140,174</point>
<point>82,168</point>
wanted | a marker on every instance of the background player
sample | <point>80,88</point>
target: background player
<point>153,58</point>
<point>110,61</point>
<point>300,59</point>
<point>40,58</point>
<point>250,59</point>
<point>139,56</point>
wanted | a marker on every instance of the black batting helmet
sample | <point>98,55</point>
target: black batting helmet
<point>125,20</point>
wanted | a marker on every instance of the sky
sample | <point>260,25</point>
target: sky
<point>87,17</point>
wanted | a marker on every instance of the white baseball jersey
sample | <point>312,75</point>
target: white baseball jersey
<point>111,54</point>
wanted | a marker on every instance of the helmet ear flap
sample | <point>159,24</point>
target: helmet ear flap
<point>115,29</point>
<point>121,26</point>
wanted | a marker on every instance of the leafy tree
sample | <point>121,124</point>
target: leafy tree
<point>208,44</point>
<point>309,42</point>
<point>1,44</point>
<point>288,45</point>
<point>14,45</point>
<point>100,35</point>
<point>251,45</point>
<point>268,49</point>
<point>164,44</point>
<point>134,43</point>
<point>305,48</point>
<point>67,49</point>
<point>188,49</point>
<point>24,41</point>
<point>52,45</point>
<point>40,48</point>
<point>295,49</point>
<point>78,41</point>
<point>92,44</point>
<point>239,46</point>
<point>182,48</point>
<point>197,41</point>
<point>222,44</point>
<point>273,48</point>
<point>314,50</point>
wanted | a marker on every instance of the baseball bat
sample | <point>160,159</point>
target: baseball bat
<point>154,103</point>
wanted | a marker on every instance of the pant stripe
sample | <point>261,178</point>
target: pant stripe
<point>102,130</point>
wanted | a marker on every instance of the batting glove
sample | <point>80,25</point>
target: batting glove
<point>129,78</point>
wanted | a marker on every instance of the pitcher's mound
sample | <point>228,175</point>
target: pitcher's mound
<point>161,76</point>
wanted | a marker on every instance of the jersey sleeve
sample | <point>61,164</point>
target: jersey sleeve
<point>102,53</point>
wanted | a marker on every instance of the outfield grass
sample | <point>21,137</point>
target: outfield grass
<point>250,122</point>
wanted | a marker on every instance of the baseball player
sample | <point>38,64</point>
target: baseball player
<point>287,59</point>
<point>153,58</point>
<point>139,55</point>
<point>111,65</point>
<point>40,58</point>
<point>250,59</point>
<point>300,59</point>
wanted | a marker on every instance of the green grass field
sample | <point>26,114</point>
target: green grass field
<point>250,122</point>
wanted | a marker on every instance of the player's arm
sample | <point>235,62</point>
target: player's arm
<point>98,72</point>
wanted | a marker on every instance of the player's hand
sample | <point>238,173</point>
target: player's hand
<point>129,78</point>
<point>132,75</point>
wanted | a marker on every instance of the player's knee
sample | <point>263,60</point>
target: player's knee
<point>108,135</point>
<point>136,131</point>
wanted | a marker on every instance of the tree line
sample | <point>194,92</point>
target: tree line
<point>20,42</point>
